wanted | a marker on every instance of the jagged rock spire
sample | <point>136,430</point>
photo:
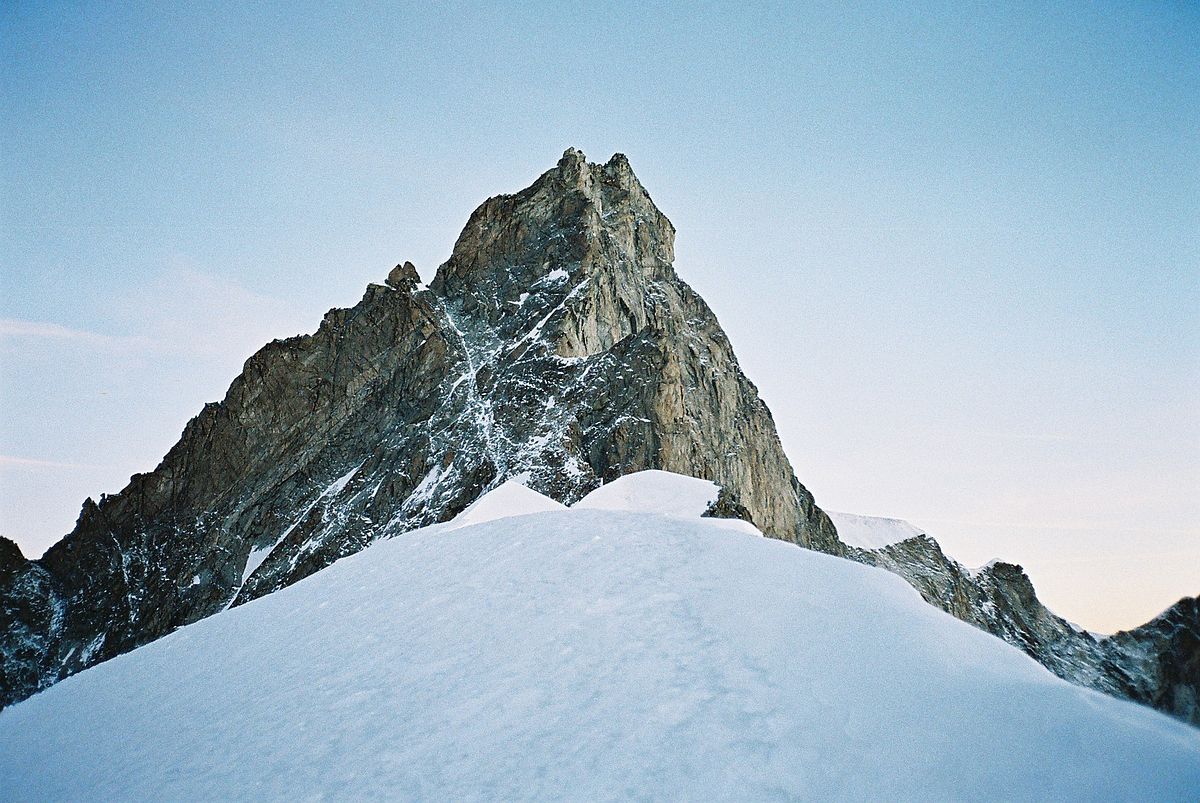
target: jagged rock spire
<point>404,277</point>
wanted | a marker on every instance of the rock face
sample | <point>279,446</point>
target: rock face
<point>1159,662</point>
<point>557,346</point>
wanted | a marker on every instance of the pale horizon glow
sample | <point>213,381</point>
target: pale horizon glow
<point>956,249</point>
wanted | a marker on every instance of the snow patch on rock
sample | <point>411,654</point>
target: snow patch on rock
<point>871,532</point>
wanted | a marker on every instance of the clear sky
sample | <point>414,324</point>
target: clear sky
<point>955,246</point>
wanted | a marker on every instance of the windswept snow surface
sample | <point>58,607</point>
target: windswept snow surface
<point>664,493</point>
<point>653,491</point>
<point>587,654</point>
<point>509,499</point>
<point>871,532</point>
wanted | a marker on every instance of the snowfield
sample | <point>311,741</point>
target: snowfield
<point>509,499</point>
<point>594,653</point>
<point>653,492</point>
<point>660,492</point>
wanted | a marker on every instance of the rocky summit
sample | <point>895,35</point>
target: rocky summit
<point>556,346</point>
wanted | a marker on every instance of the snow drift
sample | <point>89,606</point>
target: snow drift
<point>871,532</point>
<point>591,654</point>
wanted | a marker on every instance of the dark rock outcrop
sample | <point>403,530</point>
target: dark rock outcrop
<point>1159,663</point>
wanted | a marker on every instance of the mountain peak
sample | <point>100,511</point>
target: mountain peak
<point>573,166</point>
<point>621,172</point>
<point>557,345</point>
<point>575,220</point>
<point>576,172</point>
<point>404,277</point>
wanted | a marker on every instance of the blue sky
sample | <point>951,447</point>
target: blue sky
<point>955,246</point>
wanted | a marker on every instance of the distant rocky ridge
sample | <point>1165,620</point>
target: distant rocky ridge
<point>556,345</point>
<point>1157,664</point>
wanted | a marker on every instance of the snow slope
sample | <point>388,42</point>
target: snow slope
<point>653,491</point>
<point>664,493</point>
<point>587,654</point>
<point>508,500</point>
<point>871,532</point>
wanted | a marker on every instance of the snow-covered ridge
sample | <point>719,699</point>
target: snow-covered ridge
<point>653,491</point>
<point>871,532</point>
<point>505,501</point>
<point>587,653</point>
<point>663,493</point>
